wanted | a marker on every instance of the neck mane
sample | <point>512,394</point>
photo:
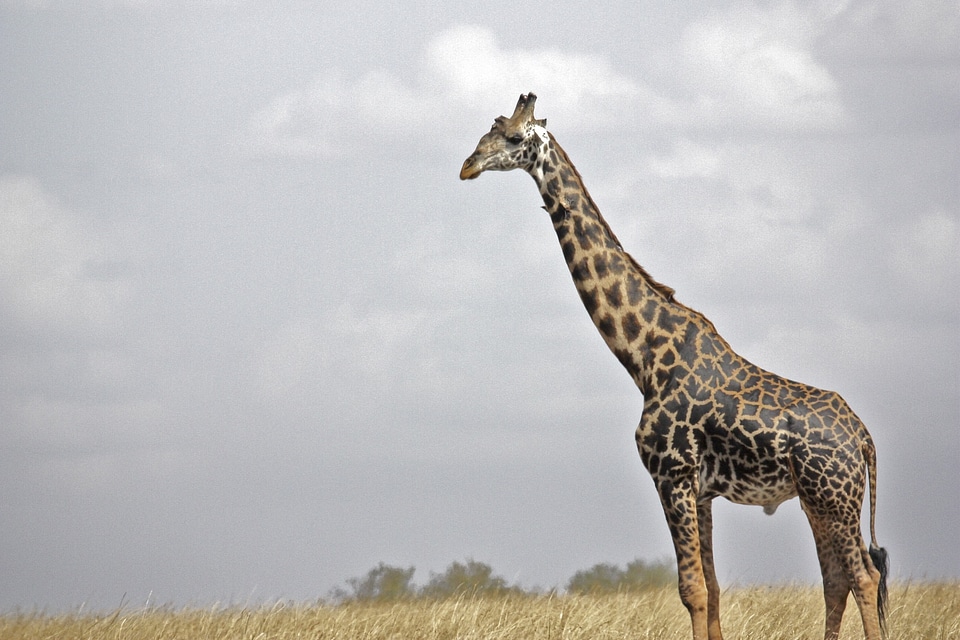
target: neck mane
<point>564,194</point>
<point>632,311</point>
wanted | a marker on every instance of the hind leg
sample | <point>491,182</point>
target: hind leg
<point>863,577</point>
<point>835,584</point>
<point>846,566</point>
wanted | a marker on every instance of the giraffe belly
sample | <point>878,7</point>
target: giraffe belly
<point>768,497</point>
<point>766,485</point>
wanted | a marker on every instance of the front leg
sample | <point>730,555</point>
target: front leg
<point>705,522</point>
<point>679,501</point>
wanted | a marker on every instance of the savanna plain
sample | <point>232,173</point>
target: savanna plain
<point>917,610</point>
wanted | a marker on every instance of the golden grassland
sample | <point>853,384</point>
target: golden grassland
<point>928,611</point>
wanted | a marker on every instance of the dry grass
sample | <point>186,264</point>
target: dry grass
<point>918,610</point>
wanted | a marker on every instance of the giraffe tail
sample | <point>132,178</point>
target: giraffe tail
<point>878,555</point>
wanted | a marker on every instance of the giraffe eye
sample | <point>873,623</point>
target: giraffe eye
<point>515,139</point>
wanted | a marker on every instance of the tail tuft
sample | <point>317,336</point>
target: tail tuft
<point>882,562</point>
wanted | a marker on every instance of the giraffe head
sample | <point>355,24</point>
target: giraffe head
<point>511,143</point>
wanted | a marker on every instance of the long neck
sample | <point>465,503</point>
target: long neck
<point>636,315</point>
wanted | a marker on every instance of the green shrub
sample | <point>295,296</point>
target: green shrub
<point>383,583</point>
<point>610,578</point>
<point>474,578</point>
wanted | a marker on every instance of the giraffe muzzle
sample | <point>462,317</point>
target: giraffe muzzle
<point>470,170</point>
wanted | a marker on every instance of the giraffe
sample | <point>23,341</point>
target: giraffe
<point>713,424</point>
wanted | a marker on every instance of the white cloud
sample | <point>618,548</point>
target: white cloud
<point>289,126</point>
<point>756,68</point>
<point>750,220</point>
<point>294,353</point>
<point>372,346</point>
<point>469,65</point>
<point>381,340</point>
<point>903,30</point>
<point>463,70</point>
<point>146,4</point>
<point>53,273</point>
<point>926,257</point>
<point>686,160</point>
<point>747,68</point>
<point>332,113</point>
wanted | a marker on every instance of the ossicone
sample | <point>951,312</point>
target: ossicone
<point>524,110</point>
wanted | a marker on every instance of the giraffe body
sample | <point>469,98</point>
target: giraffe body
<point>713,424</point>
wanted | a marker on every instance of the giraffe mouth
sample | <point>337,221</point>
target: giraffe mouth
<point>470,170</point>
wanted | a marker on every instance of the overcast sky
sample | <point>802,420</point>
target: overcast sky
<point>256,336</point>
